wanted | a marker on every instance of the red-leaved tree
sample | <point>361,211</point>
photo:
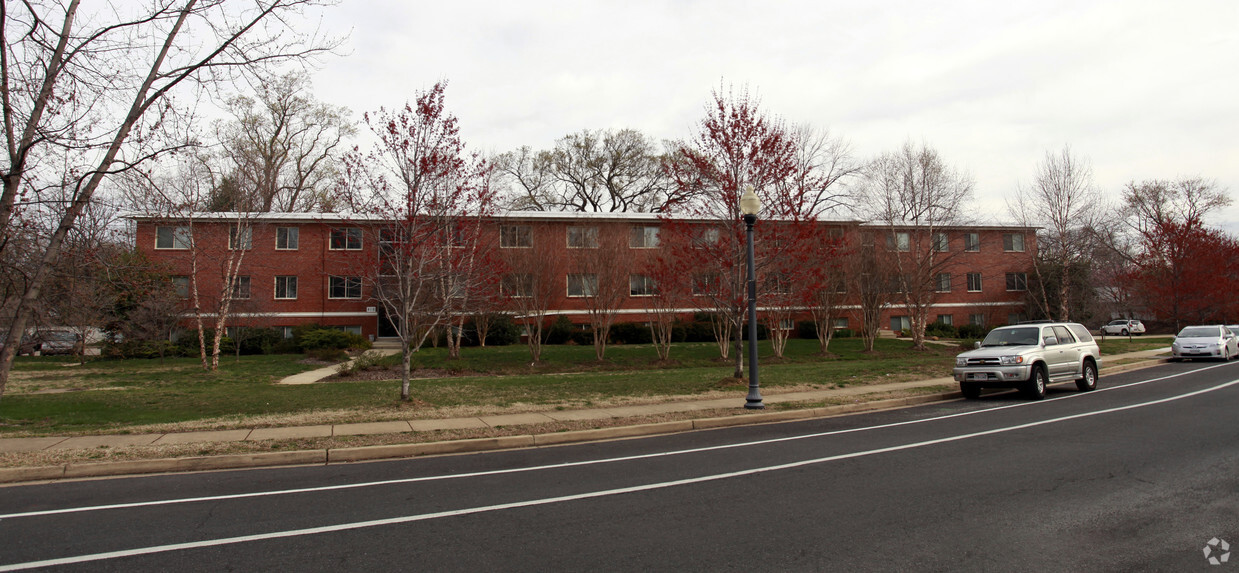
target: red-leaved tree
<point>422,199</point>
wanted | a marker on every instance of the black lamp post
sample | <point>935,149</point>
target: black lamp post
<point>749,206</point>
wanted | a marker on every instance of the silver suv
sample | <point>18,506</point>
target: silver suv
<point>1028,357</point>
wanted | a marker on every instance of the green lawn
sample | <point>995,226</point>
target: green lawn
<point>113,395</point>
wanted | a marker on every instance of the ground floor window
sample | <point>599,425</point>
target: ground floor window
<point>977,319</point>
<point>899,323</point>
<point>841,322</point>
<point>1016,318</point>
<point>945,319</point>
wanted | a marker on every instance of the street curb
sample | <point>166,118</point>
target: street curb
<point>392,451</point>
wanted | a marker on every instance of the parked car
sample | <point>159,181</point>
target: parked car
<point>1123,327</point>
<point>1028,357</point>
<point>55,341</point>
<point>1205,341</point>
<point>26,348</point>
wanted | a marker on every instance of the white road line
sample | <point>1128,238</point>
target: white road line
<point>588,495</point>
<point>565,464</point>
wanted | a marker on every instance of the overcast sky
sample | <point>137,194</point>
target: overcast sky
<point>1141,89</point>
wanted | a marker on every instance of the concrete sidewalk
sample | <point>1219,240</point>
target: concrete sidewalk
<point>1133,361</point>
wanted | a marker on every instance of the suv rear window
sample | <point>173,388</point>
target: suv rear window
<point>1082,334</point>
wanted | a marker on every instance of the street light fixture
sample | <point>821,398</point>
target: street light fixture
<point>749,207</point>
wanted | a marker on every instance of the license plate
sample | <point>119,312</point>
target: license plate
<point>978,376</point>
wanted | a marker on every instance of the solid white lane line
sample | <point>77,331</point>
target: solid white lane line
<point>588,495</point>
<point>566,464</point>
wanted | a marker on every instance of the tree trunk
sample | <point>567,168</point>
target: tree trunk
<point>405,359</point>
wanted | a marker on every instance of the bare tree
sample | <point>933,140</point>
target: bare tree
<point>916,196</point>
<point>532,285</point>
<point>86,95</point>
<point>282,145</point>
<point>590,171</point>
<point>1063,202</point>
<point>870,273</point>
<point>604,260</point>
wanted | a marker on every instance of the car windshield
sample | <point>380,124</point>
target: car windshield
<point>1117,322</point>
<point>1012,337</point>
<point>1199,332</point>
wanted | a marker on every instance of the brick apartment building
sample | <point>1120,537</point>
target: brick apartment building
<point>304,267</point>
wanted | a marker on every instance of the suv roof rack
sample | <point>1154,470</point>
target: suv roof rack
<point>1036,321</point>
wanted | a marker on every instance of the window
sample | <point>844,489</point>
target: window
<point>1017,281</point>
<point>351,329</point>
<point>286,238</point>
<point>942,282</point>
<point>515,237</point>
<point>516,285</point>
<point>941,243</point>
<point>641,285</point>
<point>643,238</point>
<point>786,324</point>
<point>777,283</point>
<point>705,284</point>
<point>898,242</point>
<point>286,332</point>
<point>344,287</point>
<point>240,288</point>
<point>582,237</point>
<point>974,282</point>
<point>181,284</point>
<point>240,239</point>
<point>172,237</point>
<point>946,319</point>
<point>345,239</point>
<point>582,285</point>
<point>704,237</point>
<point>972,242</point>
<point>976,319</point>
<point>285,287</point>
<point>899,323</point>
<point>1013,242</point>
<point>841,322</point>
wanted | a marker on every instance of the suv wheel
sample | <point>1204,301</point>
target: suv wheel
<point>1035,386</point>
<point>1089,381</point>
<point>1123,332</point>
<point>970,391</point>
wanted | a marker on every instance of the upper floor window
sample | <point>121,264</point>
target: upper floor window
<point>344,287</point>
<point>974,282</point>
<point>346,239</point>
<point>172,237</point>
<point>582,285</point>
<point>516,285</point>
<point>515,236</point>
<point>972,242</point>
<point>643,237</point>
<point>286,238</point>
<point>285,287</point>
<point>641,285</point>
<point>706,284</point>
<point>705,237</point>
<point>1013,242</point>
<point>1017,281</point>
<point>941,243</point>
<point>582,237</point>
<point>240,288</point>
<point>180,284</point>
<point>240,239</point>
<point>898,242</point>
<point>942,282</point>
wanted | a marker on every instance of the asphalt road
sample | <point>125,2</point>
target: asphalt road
<point>1139,475</point>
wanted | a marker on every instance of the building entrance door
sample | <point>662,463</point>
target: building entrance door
<point>387,328</point>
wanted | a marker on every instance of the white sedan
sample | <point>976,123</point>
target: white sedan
<point>1212,341</point>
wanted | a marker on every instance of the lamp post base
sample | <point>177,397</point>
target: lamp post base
<point>753,400</point>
